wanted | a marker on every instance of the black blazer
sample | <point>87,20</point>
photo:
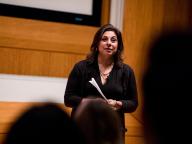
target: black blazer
<point>120,85</point>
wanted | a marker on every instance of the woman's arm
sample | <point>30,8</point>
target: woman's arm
<point>72,96</point>
<point>130,103</point>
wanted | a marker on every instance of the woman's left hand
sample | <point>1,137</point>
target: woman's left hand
<point>115,104</point>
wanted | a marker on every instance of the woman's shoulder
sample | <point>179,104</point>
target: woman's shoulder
<point>126,67</point>
<point>127,70</point>
<point>82,64</point>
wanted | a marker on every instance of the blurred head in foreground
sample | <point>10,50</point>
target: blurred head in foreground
<point>98,122</point>
<point>167,87</point>
<point>43,124</point>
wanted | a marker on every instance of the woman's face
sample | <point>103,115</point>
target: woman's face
<point>108,44</point>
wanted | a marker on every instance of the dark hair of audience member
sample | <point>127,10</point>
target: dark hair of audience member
<point>44,124</point>
<point>98,122</point>
<point>167,87</point>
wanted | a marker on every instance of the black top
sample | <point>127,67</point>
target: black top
<point>120,85</point>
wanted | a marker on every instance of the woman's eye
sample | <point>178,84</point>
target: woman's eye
<point>113,39</point>
<point>104,39</point>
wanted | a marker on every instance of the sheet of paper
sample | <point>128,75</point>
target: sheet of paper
<point>94,83</point>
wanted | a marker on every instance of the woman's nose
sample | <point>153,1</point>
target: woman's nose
<point>109,42</point>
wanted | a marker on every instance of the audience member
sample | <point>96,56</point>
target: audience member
<point>99,122</point>
<point>167,89</point>
<point>44,124</point>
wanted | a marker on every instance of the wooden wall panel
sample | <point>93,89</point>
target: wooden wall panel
<point>134,140</point>
<point>63,61</point>
<point>142,20</point>
<point>32,62</point>
<point>30,47</point>
<point>41,35</point>
<point>105,11</point>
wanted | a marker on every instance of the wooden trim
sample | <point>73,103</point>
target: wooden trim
<point>105,11</point>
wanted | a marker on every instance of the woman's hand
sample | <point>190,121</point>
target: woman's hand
<point>115,104</point>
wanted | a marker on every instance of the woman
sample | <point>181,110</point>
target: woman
<point>115,79</point>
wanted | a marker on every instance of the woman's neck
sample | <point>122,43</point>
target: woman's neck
<point>105,61</point>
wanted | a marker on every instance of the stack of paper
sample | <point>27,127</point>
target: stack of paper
<point>94,83</point>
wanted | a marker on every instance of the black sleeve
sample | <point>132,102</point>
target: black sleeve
<point>130,102</point>
<point>72,96</point>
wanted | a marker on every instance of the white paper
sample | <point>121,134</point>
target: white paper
<point>94,83</point>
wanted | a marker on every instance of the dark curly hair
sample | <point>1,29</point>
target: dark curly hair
<point>92,56</point>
